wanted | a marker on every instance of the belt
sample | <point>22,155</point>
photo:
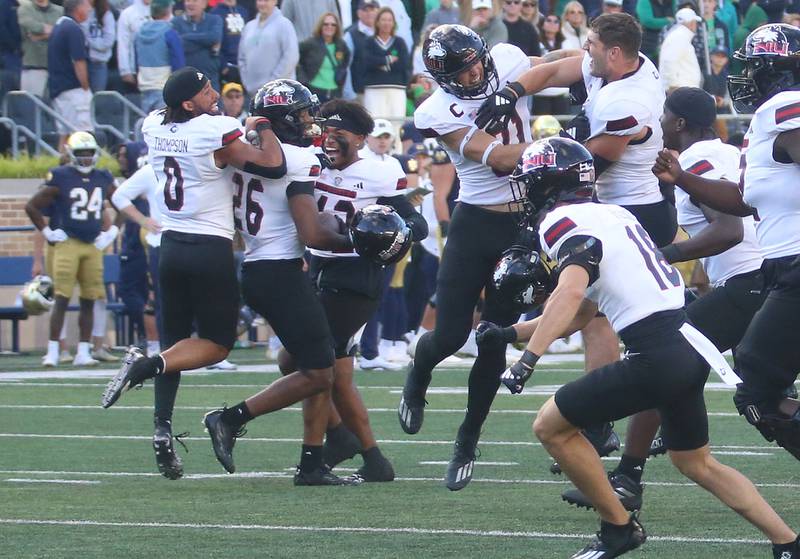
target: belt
<point>508,207</point>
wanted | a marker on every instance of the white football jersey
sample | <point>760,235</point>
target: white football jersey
<point>715,160</point>
<point>771,187</point>
<point>622,108</point>
<point>344,192</point>
<point>261,207</point>
<point>142,183</point>
<point>634,280</point>
<point>194,195</point>
<point>443,113</point>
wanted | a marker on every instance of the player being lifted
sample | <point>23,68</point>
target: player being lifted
<point>607,261</point>
<point>190,146</point>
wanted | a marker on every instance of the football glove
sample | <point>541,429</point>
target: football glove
<point>54,235</point>
<point>496,111</point>
<point>578,128</point>
<point>518,374</point>
<point>105,238</point>
<point>489,335</point>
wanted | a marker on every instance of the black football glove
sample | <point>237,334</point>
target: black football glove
<point>489,335</point>
<point>518,374</point>
<point>578,128</point>
<point>494,113</point>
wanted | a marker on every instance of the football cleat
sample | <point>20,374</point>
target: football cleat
<point>169,463</point>
<point>104,355</point>
<point>459,470</point>
<point>50,360</point>
<point>627,491</point>
<point>379,471</point>
<point>223,438</point>
<point>657,447</point>
<point>787,551</point>
<point>411,411</point>
<point>134,371</point>
<point>613,541</point>
<point>322,476</point>
<point>84,361</point>
<point>603,439</point>
<point>340,447</point>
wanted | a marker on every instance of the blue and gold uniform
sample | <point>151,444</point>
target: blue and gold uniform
<point>78,210</point>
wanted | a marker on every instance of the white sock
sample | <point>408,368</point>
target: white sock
<point>275,343</point>
<point>100,319</point>
<point>153,347</point>
<point>52,348</point>
<point>84,348</point>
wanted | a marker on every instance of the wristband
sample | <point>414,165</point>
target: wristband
<point>444,225</point>
<point>517,88</point>
<point>262,124</point>
<point>672,253</point>
<point>529,359</point>
<point>488,150</point>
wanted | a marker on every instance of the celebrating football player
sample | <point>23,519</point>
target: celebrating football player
<point>608,262</point>
<point>768,357</point>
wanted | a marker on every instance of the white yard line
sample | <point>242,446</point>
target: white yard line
<point>363,530</point>
<point>445,463</point>
<point>61,481</point>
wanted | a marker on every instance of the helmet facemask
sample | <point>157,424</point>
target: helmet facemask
<point>488,85</point>
<point>762,78</point>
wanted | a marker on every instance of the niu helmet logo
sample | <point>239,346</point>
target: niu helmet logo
<point>281,94</point>
<point>770,41</point>
<point>435,55</point>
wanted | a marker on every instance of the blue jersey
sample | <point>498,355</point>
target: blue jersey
<point>78,208</point>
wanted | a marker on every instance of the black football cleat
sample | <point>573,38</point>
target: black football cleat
<point>613,541</point>
<point>135,369</point>
<point>411,411</point>
<point>603,439</point>
<point>459,470</point>
<point>223,438</point>
<point>627,491</point>
<point>339,446</point>
<point>169,463</point>
<point>322,476</point>
<point>787,551</point>
<point>657,447</point>
<point>378,471</point>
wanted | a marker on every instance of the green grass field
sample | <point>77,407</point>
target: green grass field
<point>77,481</point>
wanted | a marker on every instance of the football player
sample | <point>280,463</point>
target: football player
<point>277,219</point>
<point>482,224</point>
<point>350,287</point>
<point>77,193</point>
<point>623,100</point>
<point>190,147</point>
<point>726,244</point>
<point>768,357</point>
<point>607,261</point>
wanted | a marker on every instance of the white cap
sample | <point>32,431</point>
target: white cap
<point>476,4</point>
<point>685,15</point>
<point>382,126</point>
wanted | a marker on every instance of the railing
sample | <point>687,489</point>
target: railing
<point>128,108</point>
<point>16,129</point>
<point>40,107</point>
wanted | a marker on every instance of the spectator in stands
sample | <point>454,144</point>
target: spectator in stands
<point>530,12</point>
<point>553,100</point>
<point>10,47</point>
<point>654,15</point>
<point>324,58</point>
<point>36,20</point>
<point>387,69</point>
<point>729,16</point>
<point>68,63</point>
<point>234,17</point>
<point>444,14</point>
<point>679,66</point>
<point>573,26</point>
<point>354,38</point>
<point>402,20</point>
<point>159,52</point>
<point>268,49</point>
<point>201,36</point>
<point>481,18</point>
<point>305,14</point>
<point>716,31</point>
<point>716,83</point>
<point>520,32</point>
<point>550,35</point>
<point>101,32</point>
<point>233,101</point>
<point>612,6</point>
<point>130,20</point>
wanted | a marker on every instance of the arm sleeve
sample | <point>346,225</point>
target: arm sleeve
<point>296,188</point>
<point>584,251</point>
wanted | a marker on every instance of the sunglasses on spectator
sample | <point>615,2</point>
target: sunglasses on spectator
<point>509,2</point>
<point>529,4</point>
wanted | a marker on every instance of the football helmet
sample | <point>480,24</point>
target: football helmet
<point>37,295</point>
<point>771,60</point>
<point>283,102</point>
<point>83,151</point>
<point>522,278</point>
<point>380,234</point>
<point>552,170</point>
<point>545,126</point>
<point>452,49</point>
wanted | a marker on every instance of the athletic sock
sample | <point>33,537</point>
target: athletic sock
<point>631,467</point>
<point>237,416</point>
<point>153,347</point>
<point>166,389</point>
<point>372,456</point>
<point>84,349</point>
<point>53,349</point>
<point>310,458</point>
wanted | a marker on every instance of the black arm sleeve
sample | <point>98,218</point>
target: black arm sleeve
<point>296,187</point>
<point>266,172</point>
<point>583,251</point>
<point>414,219</point>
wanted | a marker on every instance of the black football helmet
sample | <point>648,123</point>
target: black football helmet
<point>552,170</point>
<point>522,279</point>
<point>380,234</point>
<point>282,102</point>
<point>771,59</point>
<point>450,50</point>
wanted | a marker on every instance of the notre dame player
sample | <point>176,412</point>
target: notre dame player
<point>768,357</point>
<point>190,147</point>
<point>607,261</point>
